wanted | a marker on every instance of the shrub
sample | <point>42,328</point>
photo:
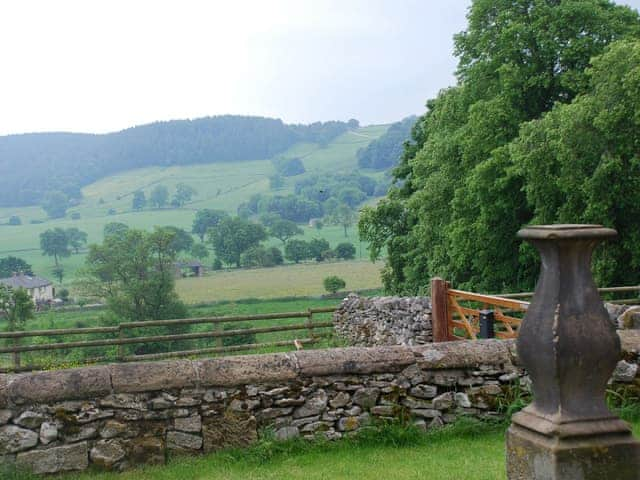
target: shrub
<point>332,284</point>
<point>240,339</point>
<point>296,250</point>
<point>15,220</point>
<point>345,250</point>
<point>217,264</point>
<point>75,216</point>
<point>63,295</point>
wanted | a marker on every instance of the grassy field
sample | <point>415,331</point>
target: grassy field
<point>219,185</point>
<point>288,280</point>
<point>459,452</point>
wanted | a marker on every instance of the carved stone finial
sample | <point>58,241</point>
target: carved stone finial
<point>570,350</point>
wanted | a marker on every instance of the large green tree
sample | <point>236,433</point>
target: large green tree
<point>206,219</point>
<point>134,272</point>
<point>55,243</point>
<point>234,236</point>
<point>283,230</point>
<point>10,265</point>
<point>461,194</point>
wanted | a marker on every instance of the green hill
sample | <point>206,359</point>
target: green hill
<point>223,185</point>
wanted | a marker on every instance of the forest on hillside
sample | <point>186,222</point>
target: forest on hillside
<point>32,165</point>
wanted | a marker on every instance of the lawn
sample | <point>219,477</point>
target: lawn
<point>219,185</point>
<point>461,452</point>
<point>292,280</point>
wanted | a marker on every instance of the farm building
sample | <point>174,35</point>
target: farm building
<point>40,289</point>
<point>192,268</point>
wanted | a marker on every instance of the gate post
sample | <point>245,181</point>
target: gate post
<point>487,320</point>
<point>439,310</point>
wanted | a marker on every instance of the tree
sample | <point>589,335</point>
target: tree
<point>114,228</point>
<point>351,196</point>
<point>289,167</point>
<point>139,200</point>
<point>10,265</point>
<point>343,215</point>
<point>55,204</point>
<point>16,306</point>
<point>283,230</point>
<point>134,273</point>
<point>460,195</point>
<point>318,247</point>
<point>332,284</point>
<point>76,238</point>
<point>206,219</point>
<point>259,256</point>
<point>58,272</point>
<point>182,240</point>
<point>14,220</point>
<point>233,236</point>
<point>159,196</point>
<point>200,251</point>
<point>276,182</point>
<point>345,251</point>
<point>296,250</point>
<point>184,193</point>
<point>55,243</point>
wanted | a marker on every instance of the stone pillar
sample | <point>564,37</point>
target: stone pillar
<point>570,349</point>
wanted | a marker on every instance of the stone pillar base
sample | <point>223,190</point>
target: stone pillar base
<point>536,456</point>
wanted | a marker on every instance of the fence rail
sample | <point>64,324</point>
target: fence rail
<point>459,315</point>
<point>122,330</point>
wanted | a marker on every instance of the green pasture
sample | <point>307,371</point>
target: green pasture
<point>219,185</point>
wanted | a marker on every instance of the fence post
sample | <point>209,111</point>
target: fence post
<point>439,310</point>
<point>16,355</point>
<point>120,346</point>
<point>487,320</point>
<point>310,323</point>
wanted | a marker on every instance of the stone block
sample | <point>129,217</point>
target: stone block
<point>16,439</point>
<point>107,453</point>
<point>230,371</point>
<point>152,376</point>
<point>52,386</point>
<point>355,360</point>
<point>532,456</point>
<point>56,459</point>
<point>183,441</point>
<point>188,424</point>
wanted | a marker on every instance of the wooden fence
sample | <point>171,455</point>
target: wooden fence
<point>314,331</point>
<point>461,315</point>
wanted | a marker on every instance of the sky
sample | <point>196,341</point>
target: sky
<point>103,65</point>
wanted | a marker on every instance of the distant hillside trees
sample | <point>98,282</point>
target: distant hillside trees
<point>386,151</point>
<point>288,167</point>
<point>159,196</point>
<point>283,230</point>
<point>206,219</point>
<point>260,256</point>
<point>184,193</point>
<point>77,238</point>
<point>344,216</point>
<point>55,204</point>
<point>10,265</point>
<point>139,200</point>
<point>34,164</point>
<point>233,236</point>
<point>297,250</point>
<point>55,243</point>
<point>114,228</point>
<point>199,251</point>
<point>14,220</point>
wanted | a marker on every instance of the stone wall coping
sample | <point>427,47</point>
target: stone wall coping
<point>98,381</point>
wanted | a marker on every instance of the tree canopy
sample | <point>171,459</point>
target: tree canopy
<point>233,236</point>
<point>519,139</point>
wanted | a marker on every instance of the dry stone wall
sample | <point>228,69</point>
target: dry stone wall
<point>116,416</point>
<point>369,322</point>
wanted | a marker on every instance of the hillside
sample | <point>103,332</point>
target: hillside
<point>33,164</point>
<point>223,185</point>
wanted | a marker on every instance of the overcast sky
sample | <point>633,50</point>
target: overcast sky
<point>100,66</point>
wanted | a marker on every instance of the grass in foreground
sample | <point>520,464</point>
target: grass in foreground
<point>468,450</point>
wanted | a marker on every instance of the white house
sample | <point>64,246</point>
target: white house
<point>40,289</point>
